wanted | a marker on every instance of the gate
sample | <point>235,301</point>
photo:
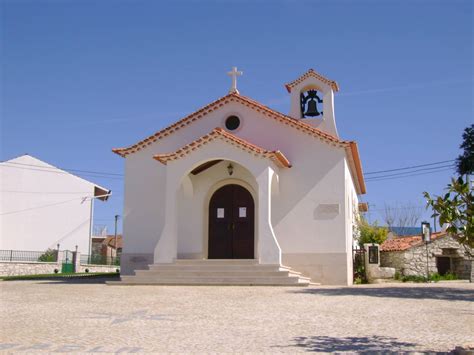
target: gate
<point>359,265</point>
<point>67,263</point>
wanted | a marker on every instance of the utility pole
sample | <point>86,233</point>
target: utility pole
<point>116,247</point>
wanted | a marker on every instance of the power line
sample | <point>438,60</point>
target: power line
<point>44,206</point>
<point>409,167</point>
<point>414,207</point>
<point>61,172</point>
<point>116,176</point>
<point>409,172</point>
<point>55,168</point>
<point>45,192</point>
<point>416,174</point>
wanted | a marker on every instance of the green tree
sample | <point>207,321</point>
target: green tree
<point>371,233</point>
<point>465,162</point>
<point>456,208</point>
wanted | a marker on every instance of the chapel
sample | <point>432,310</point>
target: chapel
<point>237,193</point>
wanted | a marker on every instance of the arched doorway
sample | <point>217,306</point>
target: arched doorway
<point>231,223</point>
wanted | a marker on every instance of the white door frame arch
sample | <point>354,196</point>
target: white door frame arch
<point>262,169</point>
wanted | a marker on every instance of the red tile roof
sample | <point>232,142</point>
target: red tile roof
<point>218,133</point>
<point>110,241</point>
<point>349,146</point>
<point>312,73</point>
<point>232,97</point>
<point>405,243</point>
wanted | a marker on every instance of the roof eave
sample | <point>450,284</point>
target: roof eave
<point>218,133</point>
<point>102,193</point>
<point>358,168</point>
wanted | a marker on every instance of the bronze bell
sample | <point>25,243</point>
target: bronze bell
<point>312,110</point>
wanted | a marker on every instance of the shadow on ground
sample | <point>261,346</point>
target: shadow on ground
<point>415,292</point>
<point>101,280</point>
<point>71,280</point>
<point>373,344</point>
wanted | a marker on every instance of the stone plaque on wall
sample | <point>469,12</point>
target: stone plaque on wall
<point>326,211</point>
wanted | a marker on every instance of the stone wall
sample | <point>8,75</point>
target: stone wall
<point>16,268</point>
<point>413,261</point>
<point>464,268</point>
<point>395,259</point>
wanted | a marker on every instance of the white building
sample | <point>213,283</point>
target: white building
<point>42,206</point>
<point>238,180</point>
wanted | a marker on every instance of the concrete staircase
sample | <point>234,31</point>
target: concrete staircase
<point>215,272</point>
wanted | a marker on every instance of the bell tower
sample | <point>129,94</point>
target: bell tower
<point>312,101</point>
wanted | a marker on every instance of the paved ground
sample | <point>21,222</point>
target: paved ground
<point>93,317</point>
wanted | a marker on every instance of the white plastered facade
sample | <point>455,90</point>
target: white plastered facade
<point>304,214</point>
<point>42,206</point>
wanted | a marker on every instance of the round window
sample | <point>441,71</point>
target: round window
<point>232,123</point>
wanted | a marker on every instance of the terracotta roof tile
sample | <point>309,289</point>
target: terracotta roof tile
<point>405,243</point>
<point>233,97</point>
<point>312,73</point>
<point>218,133</point>
<point>110,241</point>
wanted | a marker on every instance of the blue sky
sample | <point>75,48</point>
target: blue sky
<point>82,77</point>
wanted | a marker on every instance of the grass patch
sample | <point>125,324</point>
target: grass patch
<point>61,276</point>
<point>432,277</point>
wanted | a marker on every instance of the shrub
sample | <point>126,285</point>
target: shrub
<point>435,277</point>
<point>48,256</point>
<point>414,278</point>
<point>371,233</point>
<point>359,281</point>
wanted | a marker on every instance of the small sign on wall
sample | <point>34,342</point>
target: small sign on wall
<point>220,213</point>
<point>242,212</point>
<point>373,255</point>
<point>326,211</point>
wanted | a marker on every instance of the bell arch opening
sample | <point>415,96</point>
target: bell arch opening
<point>311,102</point>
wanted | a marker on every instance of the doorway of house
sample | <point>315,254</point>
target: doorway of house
<point>443,263</point>
<point>231,223</point>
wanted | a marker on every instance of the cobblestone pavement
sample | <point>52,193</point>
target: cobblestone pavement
<point>93,317</point>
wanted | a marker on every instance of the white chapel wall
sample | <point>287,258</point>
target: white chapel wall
<point>308,215</point>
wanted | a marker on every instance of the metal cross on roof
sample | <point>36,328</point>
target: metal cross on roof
<point>234,73</point>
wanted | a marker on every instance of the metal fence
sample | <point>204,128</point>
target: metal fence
<point>32,256</point>
<point>100,260</point>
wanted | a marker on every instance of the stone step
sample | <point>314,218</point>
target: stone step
<point>211,268</point>
<point>215,272</point>
<point>206,266</point>
<point>290,281</point>
<point>217,261</point>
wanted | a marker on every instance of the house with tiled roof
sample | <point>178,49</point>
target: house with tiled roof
<point>107,246</point>
<point>409,255</point>
<point>238,193</point>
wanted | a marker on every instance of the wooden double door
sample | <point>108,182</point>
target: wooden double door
<point>231,223</point>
